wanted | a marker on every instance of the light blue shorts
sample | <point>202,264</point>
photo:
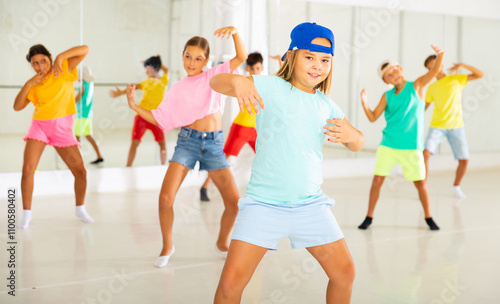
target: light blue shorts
<point>306,225</point>
<point>456,138</point>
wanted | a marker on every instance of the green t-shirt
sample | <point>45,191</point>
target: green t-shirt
<point>404,115</point>
<point>84,107</point>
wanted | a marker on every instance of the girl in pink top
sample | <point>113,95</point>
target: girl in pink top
<point>192,105</point>
<point>51,91</point>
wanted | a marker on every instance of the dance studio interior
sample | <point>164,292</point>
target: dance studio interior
<point>59,258</point>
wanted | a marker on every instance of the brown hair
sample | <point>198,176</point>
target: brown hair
<point>431,57</point>
<point>38,49</point>
<point>286,72</point>
<point>254,58</point>
<point>199,42</point>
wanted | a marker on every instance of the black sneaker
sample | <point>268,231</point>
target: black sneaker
<point>203,195</point>
<point>97,161</point>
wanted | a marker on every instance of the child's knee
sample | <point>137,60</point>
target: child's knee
<point>80,172</point>
<point>345,274</point>
<point>166,201</point>
<point>231,282</point>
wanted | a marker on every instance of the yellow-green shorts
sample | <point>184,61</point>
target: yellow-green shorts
<point>83,126</point>
<point>412,162</point>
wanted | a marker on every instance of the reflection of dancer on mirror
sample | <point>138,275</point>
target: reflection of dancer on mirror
<point>83,122</point>
<point>153,88</point>
<point>192,105</point>
<point>52,93</point>
<point>243,127</point>
<point>402,140</point>
<point>284,197</point>
<point>447,118</point>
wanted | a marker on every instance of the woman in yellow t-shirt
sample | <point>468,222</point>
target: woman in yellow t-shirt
<point>51,92</point>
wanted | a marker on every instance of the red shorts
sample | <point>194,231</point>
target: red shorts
<point>140,127</point>
<point>238,137</point>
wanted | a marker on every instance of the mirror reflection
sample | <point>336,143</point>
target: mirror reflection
<point>121,36</point>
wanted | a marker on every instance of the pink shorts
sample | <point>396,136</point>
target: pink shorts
<point>57,132</point>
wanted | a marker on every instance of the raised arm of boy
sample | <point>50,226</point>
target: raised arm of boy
<point>476,74</point>
<point>375,114</point>
<point>423,80</point>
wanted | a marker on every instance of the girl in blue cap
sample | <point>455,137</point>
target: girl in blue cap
<point>284,197</point>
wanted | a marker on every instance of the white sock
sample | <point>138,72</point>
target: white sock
<point>83,215</point>
<point>25,222</point>
<point>162,260</point>
<point>458,192</point>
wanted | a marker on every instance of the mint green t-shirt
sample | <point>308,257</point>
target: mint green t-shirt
<point>288,163</point>
<point>84,107</point>
<point>404,115</point>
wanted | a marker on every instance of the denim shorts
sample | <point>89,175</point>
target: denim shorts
<point>307,224</point>
<point>456,138</point>
<point>204,147</point>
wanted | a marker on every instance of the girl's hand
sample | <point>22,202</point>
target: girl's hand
<point>342,132</point>
<point>37,79</point>
<point>115,93</point>
<point>454,69</point>
<point>229,31</point>
<point>247,95</point>
<point>364,97</point>
<point>130,95</point>
<point>57,67</point>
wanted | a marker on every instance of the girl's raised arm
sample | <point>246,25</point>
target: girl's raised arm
<point>240,87</point>
<point>74,55</point>
<point>239,46</point>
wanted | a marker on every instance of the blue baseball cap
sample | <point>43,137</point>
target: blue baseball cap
<point>304,33</point>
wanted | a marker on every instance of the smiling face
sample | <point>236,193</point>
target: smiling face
<point>311,68</point>
<point>394,75</point>
<point>41,64</point>
<point>194,59</point>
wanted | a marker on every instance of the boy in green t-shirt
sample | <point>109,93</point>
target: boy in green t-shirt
<point>447,120</point>
<point>402,140</point>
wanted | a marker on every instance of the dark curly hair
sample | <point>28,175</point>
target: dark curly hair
<point>37,49</point>
<point>154,62</point>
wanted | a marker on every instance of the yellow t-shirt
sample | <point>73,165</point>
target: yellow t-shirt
<point>446,93</point>
<point>153,89</point>
<point>56,96</point>
<point>245,120</point>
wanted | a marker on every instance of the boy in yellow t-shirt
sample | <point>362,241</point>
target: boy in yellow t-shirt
<point>447,120</point>
<point>243,127</point>
<point>153,88</point>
